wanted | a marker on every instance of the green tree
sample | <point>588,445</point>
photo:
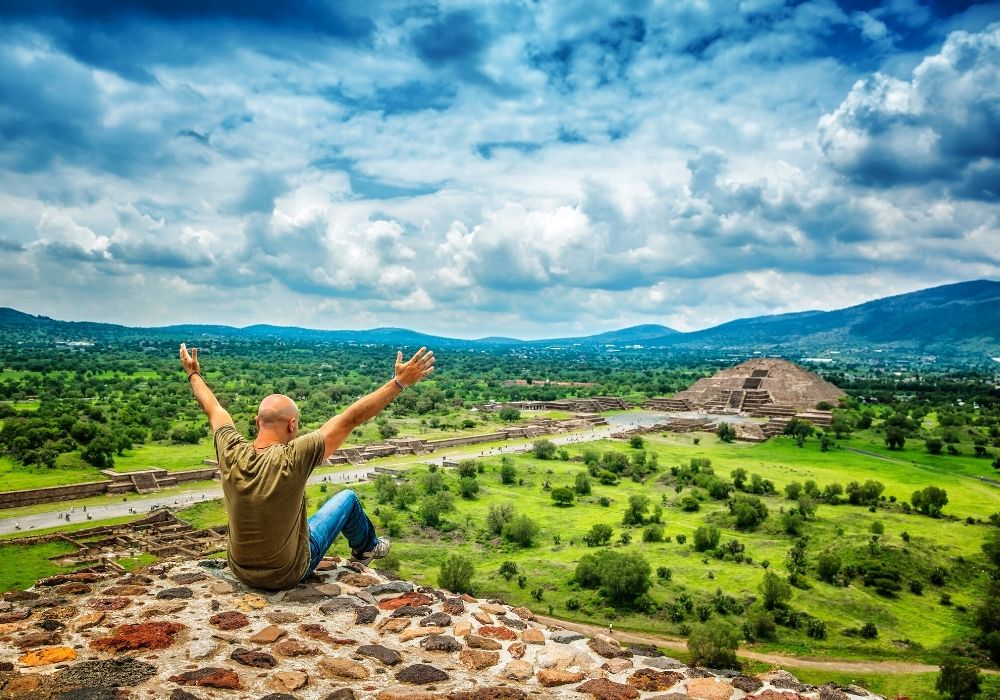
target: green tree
<point>725,432</point>
<point>543,449</point>
<point>406,496</point>
<point>508,473</point>
<point>498,516</point>
<point>930,500</point>
<point>959,678</point>
<point>739,476</point>
<point>774,591</point>
<point>636,442</point>
<point>433,482</point>
<point>468,487</point>
<point>509,414</point>
<point>563,496</point>
<point>713,645</point>
<point>635,514</point>
<point>508,569</point>
<point>749,511</point>
<point>933,445</point>
<point>456,573</point>
<point>895,437</point>
<point>467,467</point>
<point>599,534</point>
<point>706,537</point>
<point>521,530</point>
<point>385,488</point>
<point>434,506</point>
<point>581,484</point>
<point>828,566</point>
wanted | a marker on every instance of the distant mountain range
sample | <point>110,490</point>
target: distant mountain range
<point>951,320</point>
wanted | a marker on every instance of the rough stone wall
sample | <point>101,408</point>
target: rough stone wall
<point>28,497</point>
<point>187,630</point>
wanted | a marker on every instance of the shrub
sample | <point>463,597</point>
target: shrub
<point>433,482</point>
<point>759,626</point>
<point>563,496</point>
<point>498,516</point>
<point>816,628</point>
<point>521,530</point>
<point>663,573</point>
<point>652,533</point>
<point>713,645</point>
<point>538,593</point>
<point>681,538</point>
<point>508,474</point>
<point>604,501</point>
<point>750,511</point>
<point>572,604</point>
<point>581,484</point>
<point>635,514</point>
<point>933,446</point>
<point>706,537</point>
<point>725,432</point>
<point>930,501</point>
<point>468,487</point>
<point>775,591</point>
<point>636,442</point>
<point>599,534</point>
<point>690,504</point>
<point>917,587</point>
<point>828,566</point>
<point>456,573</point>
<point>622,577</point>
<point>869,631</point>
<point>522,581</point>
<point>877,528</point>
<point>434,506</point>
<point>959,678</point>
<point>467,467</point>
<point>508,570</point>
<point>543,449</point>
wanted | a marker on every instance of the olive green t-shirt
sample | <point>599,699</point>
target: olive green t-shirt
<point>266,505</point>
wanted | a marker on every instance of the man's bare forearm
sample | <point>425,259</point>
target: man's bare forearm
<point>367,407</point>
<point>206,399</point>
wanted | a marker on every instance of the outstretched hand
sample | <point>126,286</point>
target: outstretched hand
<point>189,359</point>
<point>418,367</point>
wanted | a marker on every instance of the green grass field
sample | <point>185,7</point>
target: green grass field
<point>22,565</point>
<point>159,455</point>
<point>15,477</point>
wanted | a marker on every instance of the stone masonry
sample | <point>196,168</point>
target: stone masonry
<point>187,629</point>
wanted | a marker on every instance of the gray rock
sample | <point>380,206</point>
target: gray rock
<point>441,642</point>
<point>565,636</point>
<point>421,674</point>
<point>340,604</point>
<point>513,624</point>
<point>90,694</point>
<point>389,587</point>
<point>365,615</point>
<point>832,692</point>
<point>664,663</point>
<point>305,594</point>
<point>110,673</point>
<point>342,694</point>
<point>213,563</point>
<point>389,657</point>
<point>180,593</point>
<point>747,684</point>
<point>438,619</point>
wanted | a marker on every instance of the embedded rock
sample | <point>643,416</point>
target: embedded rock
<point>551,677</point>
<point>389,657</point>
<point>421,674</point>
<point>210,677</point>
<point>229,620</point>
<point>147,635</point>
<point>335,667</point>
<point>251,657</point>
<point>603,689</point>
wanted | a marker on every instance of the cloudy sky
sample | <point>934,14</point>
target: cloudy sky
<point>522,167</point>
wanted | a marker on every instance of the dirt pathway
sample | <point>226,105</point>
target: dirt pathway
<point>840,665</point>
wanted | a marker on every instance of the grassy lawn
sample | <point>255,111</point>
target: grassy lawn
<point>910,626</point>
<point>24,564</point>
<point>160,455</point>
<point>14,477</point>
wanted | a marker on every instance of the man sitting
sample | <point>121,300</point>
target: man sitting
<point>271,544</point>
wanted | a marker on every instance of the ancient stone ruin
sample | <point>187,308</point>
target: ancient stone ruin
<point>763,388</point>
<point>186,629</point>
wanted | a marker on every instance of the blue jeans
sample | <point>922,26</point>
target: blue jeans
<point>341,514</point>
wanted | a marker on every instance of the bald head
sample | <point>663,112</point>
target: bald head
<point>276,411</point>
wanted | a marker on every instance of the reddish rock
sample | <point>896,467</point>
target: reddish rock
<point>38,639</point>
<point>453,606</point>
<point>59,613</point>
<point>617,665</point>
<point>603,689</point>
<point>73,589</point>
<point>287,681</point>
<point>49,655</point>
<point>22,684</point>
<point>210,677</point>
<point>771,694</point>
<point>476,642</point>
<point>482,618</point>
<point>268,635</point>
<point>294,647</point>
<point>651,679</point>
<point>551,677</point>
<point>79,577</point>
<point>317,632</point>
<point>500,692</point>
<point>88,620</point>
<point>523,613</point>
<point>229,620</point>
<point>533,636</point>
<point>394,625</point>
<point>477,659</point>
<point>608,648</point>
<point>357,580</point>
<point>109,603</point>
<point>497,632</point>
<point>412,599</point>
<point>148,635</point>
<point>335,667</point>
<point>14,616</point>
<point>124,590</point>
<point>254,658</point>
<point>716,689</point>
<point>517,649</point>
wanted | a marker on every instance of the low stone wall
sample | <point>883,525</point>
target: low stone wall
<point>196,474</point>
<point>466,440</point>
<point>30,497</point>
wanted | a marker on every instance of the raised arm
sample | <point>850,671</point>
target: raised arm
<point>336,430</point>
<point>217,415</point>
